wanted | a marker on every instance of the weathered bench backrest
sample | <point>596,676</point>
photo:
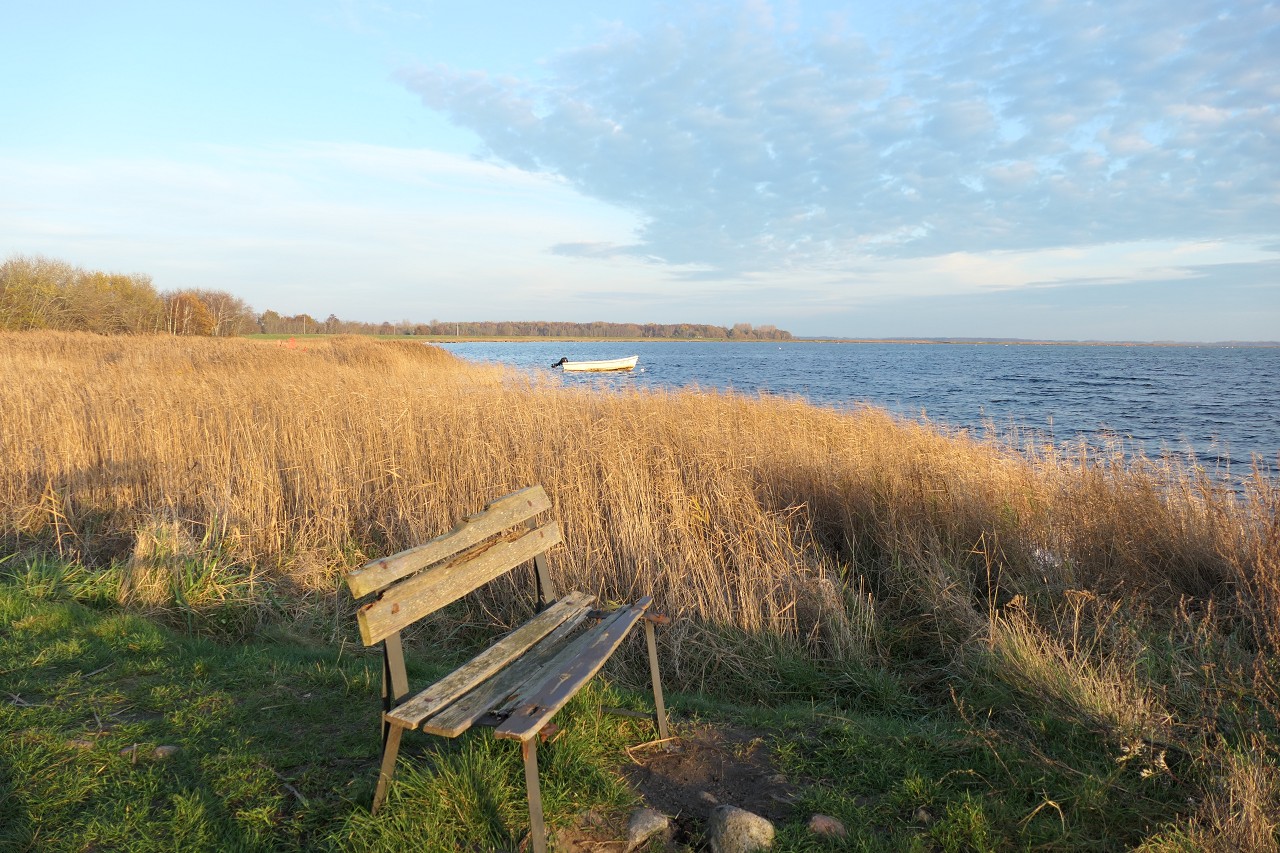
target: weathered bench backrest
<point>421,580</point>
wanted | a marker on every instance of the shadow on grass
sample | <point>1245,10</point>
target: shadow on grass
<point>276,744</point>
<point>15,820</point>
<point>124,734</point>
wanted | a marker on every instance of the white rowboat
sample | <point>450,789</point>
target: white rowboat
<point>598,366</point>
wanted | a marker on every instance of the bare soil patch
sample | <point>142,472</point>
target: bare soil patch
<point>685,778</point>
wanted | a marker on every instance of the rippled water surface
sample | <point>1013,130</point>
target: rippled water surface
<point>1218,402</point>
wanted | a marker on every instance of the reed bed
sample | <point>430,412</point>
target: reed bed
<point>1140,598</point>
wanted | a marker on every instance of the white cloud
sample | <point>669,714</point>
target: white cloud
<point>744,145</point>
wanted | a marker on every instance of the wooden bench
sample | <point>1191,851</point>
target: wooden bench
<point>517,684</point>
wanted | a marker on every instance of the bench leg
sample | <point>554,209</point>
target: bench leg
<point>390,749</point>
<point>537,829</point>
<point>386,701</point>
<point>660,711</point>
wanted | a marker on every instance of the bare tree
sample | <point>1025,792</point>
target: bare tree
<point>33,292</point>
<point>186,314</point>
<point>231,314</point>
<point>113,304</point>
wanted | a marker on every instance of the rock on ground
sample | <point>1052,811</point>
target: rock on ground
<point>645,824</point>
<point>735,830</point>
<point>826,826</point>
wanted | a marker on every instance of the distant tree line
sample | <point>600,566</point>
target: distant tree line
<point>40,293</point>
<point>274,323</point>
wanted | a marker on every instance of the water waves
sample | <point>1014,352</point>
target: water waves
<point>1216,404</point>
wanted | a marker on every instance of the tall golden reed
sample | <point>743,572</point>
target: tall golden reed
<point>760,514</point>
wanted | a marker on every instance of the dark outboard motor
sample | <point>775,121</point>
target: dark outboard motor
<point>560,362</point>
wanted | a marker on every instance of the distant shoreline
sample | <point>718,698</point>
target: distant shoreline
<point>1037,343</point>
<point>515,339</point>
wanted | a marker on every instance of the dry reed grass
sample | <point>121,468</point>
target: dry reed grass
<point>763,515</point>
<point>1242,812</point>
<point>1072,668</point>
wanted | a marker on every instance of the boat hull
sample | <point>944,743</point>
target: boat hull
<point>601,366</point>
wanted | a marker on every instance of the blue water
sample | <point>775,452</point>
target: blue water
<point>1218,403</point>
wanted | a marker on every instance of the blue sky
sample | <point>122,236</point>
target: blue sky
<point>1060,170</point>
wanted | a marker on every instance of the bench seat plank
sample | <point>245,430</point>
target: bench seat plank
<point>460,715</point>
<point>568,672</point>
<point>434,587</point>
<point>556,663</point>
<point>445,691</point>
<point>505,512</point>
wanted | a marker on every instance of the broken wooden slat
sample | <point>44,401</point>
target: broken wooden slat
<point>550,665</point>
<point>505,512</point>
<point>568,675</point>
<point>428,591</point>
<point>490,661</point>
<point>463,713</point>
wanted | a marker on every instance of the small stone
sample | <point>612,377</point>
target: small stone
<point>708,798</point>
<point>923,816</point>
<point>827,827</point>
<point>165,751</point>
<point>645,824</point>
<point>735,830</point>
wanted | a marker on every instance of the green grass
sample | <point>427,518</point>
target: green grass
<point>87,685</point>
<point>277,741</point>
<point>936,783</point>
<point>277,746</point>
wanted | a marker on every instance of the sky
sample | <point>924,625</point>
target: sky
<point>1015,168</point>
